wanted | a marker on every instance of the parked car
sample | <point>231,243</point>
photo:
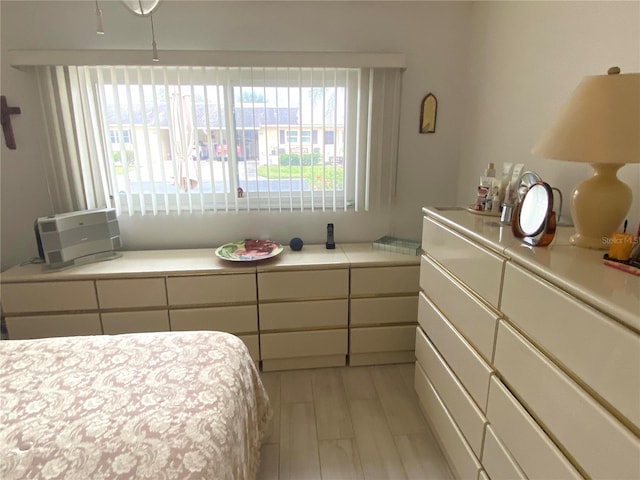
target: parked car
<point>222,151</point>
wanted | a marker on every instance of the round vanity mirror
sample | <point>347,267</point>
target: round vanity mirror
<point>534,219</point>
<point>534,209</point>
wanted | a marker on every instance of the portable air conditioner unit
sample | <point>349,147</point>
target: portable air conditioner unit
<point>77,238</point>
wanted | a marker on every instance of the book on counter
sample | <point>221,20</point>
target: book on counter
<point>398,245</point>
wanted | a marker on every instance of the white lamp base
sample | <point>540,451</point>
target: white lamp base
<point>599,206</point>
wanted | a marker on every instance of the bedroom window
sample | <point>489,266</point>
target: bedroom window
<point>161,139</point>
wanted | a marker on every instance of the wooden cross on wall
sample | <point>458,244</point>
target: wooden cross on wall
<point>5,119</point>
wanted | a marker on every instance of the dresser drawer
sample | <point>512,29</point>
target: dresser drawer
<point>241,319</point>
<point>477,267</point>
<point>303,284</point>
<point>48,296</point>
<point>211,289</point>
<point>304,315</point>
<point>600,444</point>
<point>252,343</point>
<point>497,460</point>
<point>470,317</point>
<point>601,352</point>
<point>135,322</point>
<point>303,344</point>
<point>383,310</point>
<point>467,415</point>
<point>383,339</point>
<point>131,293</point>
<point>461,458</point>
<point>385,280</point>
<point>64,325</point>
<point>465,362</point>
<point>536,454</point>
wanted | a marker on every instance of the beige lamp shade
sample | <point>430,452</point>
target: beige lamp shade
<point>600,125</point>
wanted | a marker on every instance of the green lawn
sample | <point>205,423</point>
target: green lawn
<point>314,175</point>
<point>120,169</point>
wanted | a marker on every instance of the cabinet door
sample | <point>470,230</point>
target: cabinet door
<point>596,440</point>
<point>475,266</point>
<point>303,344</point>
<point>211,289</point>
<point>383,310</point>
<point>497,460</point>
<point>252,343</point>
<point>383,339</point>
<point>384,280</point>
<point>304,315</point>
<point>529,445</point>
<point>48,296</point>
<point>240,319</point>
<point>63,325</point>
<point>473,319</point>
<point>304,284</point>
<point>460,456</point>
<point>135,322</point>
<point>131,293</point>
<point>465,362</point>
<point>461,406</point>
<point>598,350</point>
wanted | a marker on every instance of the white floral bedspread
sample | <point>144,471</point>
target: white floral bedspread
<point>170,405</point>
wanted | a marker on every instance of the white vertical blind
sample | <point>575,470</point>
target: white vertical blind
<point>160,139</point>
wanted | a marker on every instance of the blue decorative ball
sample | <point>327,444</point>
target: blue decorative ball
<point>296,244</point>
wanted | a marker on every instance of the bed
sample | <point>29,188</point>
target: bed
<point>169,405</point>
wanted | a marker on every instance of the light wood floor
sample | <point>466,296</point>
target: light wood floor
<point>348,423</point>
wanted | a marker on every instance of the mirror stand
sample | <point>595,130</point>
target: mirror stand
<point>534,220</point>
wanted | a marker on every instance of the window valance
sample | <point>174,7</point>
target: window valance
<point>25,58</point>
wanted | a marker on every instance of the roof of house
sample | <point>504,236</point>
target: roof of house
<point>244,117</point>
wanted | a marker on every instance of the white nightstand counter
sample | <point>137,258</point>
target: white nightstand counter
<point>134,263</point>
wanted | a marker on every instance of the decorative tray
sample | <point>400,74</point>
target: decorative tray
<point>248,250</point>
<point>482,212</point>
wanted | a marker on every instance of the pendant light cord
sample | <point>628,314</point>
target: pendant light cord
<point>99,29</point>
<point>153,41</point>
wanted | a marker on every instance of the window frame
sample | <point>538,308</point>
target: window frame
<point>295,199</point>
<point>373,180</point>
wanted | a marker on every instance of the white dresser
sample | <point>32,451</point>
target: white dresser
<point>528,358</point>
<point>141,291</point>
<point>292,311</point>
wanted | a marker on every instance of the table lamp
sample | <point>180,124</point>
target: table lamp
<point>600,125</point>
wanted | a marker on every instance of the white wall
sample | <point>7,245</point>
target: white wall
<point>500,70</point>
<point>432,35</point>
<point>526,59</point>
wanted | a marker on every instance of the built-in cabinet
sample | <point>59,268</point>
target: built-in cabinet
<point>292,311</point>
<point>528,359</point>
<point>383,306</point>
<point>304,311</point>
